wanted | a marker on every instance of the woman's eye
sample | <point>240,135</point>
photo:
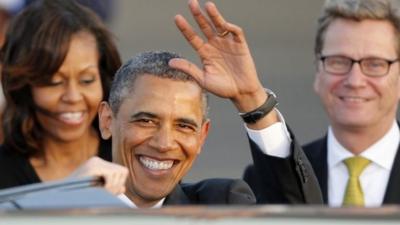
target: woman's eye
<point>54,82</point>
<point>88,80</point>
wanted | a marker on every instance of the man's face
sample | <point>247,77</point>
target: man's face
<point>157,134</point>
<point>355,100</point>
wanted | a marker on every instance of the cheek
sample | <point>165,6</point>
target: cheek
<point>94,96</point>
<point>327,84</point>
<point>191,146</point>
<point>45,99</point>
<point>131,140</point>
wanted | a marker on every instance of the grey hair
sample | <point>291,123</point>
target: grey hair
<point>153,63</point>
<point>357,10</point>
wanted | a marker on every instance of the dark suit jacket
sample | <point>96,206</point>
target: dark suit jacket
<point>283,180</point>
<point>212,192</point>
<point>316,153</point>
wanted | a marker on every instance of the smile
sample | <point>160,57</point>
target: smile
<point>154,164</point>
<point>354,99</point>
<point>71,117</point>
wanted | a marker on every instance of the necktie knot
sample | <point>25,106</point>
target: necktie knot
<point>355,165</point>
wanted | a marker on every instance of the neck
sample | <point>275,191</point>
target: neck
<point>358,139</point>
<point>61,158</point>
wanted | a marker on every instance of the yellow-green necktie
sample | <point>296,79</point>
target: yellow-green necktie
<point>354,195</point>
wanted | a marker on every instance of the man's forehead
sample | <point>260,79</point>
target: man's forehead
<point>152,93</point>
<point>367,37</point>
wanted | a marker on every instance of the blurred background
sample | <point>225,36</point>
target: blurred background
<point>280,35</point>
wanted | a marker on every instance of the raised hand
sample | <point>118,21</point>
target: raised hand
<point>228,68</point>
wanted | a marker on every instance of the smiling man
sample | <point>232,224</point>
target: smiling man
<point>357,162</point>
<point>157,117</point>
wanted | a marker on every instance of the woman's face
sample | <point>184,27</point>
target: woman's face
<point>67,105</point>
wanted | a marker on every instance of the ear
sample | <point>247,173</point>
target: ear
<point>203,134</point>
<point>398,87</point>
<point>317,78</point>
<point>316,84</point>
<point>105,120</point>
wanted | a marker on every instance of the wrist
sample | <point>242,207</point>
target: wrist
<point>251,101</point>
<point>251,117</point>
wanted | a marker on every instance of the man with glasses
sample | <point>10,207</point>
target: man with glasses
<point>357,162</point>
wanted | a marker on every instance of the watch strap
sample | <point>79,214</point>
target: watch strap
<point>255,115</point>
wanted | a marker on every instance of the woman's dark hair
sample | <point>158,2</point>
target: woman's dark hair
<point>37,42</point>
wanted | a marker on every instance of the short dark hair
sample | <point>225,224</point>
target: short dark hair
<point>37,42</point>
<point>153,63</point>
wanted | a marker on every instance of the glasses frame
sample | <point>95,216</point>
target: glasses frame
<point>360,62</point>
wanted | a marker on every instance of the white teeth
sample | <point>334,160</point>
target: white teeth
<point>354,99</point>
<point>71,116</point>
<point>155,164</point>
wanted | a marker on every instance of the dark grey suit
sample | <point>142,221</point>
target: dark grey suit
<point>212,192</point>
<point>283,180</point>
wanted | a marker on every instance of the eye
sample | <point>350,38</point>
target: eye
<point>375,63</point>
<point>87,80</point>
<point>54,81</point>
<point>145,122</point>
<point>186,127</point>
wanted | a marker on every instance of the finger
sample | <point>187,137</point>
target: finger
<point>237,32</point>
<point>216,17</point>
<point>107,182</point>
<point>187,31</point>
<point>188,67</point>
<point>121,183</point>
<point>113,185</point>
<point>204,24</point>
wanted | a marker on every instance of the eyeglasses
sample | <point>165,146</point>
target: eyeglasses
<point>341,65</point>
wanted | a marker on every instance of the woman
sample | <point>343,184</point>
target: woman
<point>58,62</point>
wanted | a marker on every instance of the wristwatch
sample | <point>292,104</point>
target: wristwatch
<point>255,115</point>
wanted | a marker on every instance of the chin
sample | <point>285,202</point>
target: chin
<point>152,195</point>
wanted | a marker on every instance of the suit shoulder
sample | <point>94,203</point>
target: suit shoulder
<point>219,191</point>
<point>315,145</point>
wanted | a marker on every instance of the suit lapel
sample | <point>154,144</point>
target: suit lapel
<point>392,195</point>
<point>177,197</point>
<point>318,157</point>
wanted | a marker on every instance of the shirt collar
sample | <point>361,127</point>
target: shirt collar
<point>131,204</point>
<point>381,152</point>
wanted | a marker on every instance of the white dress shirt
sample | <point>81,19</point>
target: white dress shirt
<point>275,141</point>
<point>375,176</point>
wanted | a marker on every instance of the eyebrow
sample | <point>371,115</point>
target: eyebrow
<point>152,115</point>
<point>143,114</point>
<point>89,67</point>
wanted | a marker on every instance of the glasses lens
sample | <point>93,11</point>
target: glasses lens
<point>374,66</point>
<point>337,64</point>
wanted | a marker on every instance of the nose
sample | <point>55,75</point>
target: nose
<point>163,139</point>
<point>355,78</point>
<point>72,93</point>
